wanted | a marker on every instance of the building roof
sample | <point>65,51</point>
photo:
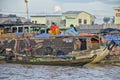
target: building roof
<point>77,12</point>
<point>72,12</point>
<point>11,19</point>
<point>3,16</point>
<point>46,16</point>
<point>116,7</point>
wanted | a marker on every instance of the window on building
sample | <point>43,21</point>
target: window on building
<point>92,22</point>
<point>26,29</point>
<point>35,22</point>
<point>20,29</point>
<point>14,29</point>
<point>63,22</point>
<point>80,21</point>
<point>85,21</point>
<point>48,22</point>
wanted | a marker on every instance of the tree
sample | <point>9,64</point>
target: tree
<point>106,19</point>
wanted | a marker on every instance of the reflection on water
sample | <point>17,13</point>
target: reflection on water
<point>40,72</point>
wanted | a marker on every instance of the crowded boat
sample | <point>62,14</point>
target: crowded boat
<point>53,46</point>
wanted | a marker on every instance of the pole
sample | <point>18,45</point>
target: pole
<point>27,11</point>
<point>99,40</point>
<point>26,1</point>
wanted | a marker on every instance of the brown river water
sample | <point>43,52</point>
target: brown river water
<point>40,72</point>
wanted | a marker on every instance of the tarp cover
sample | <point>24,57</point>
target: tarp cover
<point>115,38</point>
<point>19,34</point>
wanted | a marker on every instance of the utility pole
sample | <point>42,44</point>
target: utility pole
<point>26,1</point>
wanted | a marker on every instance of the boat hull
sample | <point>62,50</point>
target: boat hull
<point>77,62</point>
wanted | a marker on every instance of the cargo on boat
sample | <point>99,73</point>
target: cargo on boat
<point>34,50</point>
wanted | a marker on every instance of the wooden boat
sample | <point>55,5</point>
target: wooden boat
<point>55,61</point>
<point>2,58</point>
<point>102,53</point>
<point>1,54</point>
<point>50,46</point>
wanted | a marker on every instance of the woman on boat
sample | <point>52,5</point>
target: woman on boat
<point>72,31</point>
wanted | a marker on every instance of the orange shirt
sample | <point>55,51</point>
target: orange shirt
<point>54,27</point>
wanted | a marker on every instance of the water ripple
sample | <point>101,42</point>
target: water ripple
<point>39,72</point>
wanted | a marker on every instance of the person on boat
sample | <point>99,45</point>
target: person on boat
<point>108,39</point>
<point>116,38</point>
<point>77,44</point>
<point>9,54</point>
<point>103,40</point>
<point>72,31</point>
<point>1,48</point>
<point>54,29</point>
<point>28,50</point>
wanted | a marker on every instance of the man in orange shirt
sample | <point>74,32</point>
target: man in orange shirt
<point>54,29</point>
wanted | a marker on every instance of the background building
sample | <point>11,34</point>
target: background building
<point>11,19</point>
<point>7,21</point>
<point>38,19</point>
<point>117,15</point>
<point>77,18</point>
<point>46,19</point>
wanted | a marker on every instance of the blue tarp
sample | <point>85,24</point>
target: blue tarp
<point>48,35</point>
<point>64,34</point>
<point>108,37</point>
<point>117,41</point>
<point>19,34</point>
<point>115,38</point>
<point>42,35</point>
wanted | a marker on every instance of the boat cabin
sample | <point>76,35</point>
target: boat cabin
<point>52,45</point>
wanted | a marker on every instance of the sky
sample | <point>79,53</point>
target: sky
<point>99,8</point>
